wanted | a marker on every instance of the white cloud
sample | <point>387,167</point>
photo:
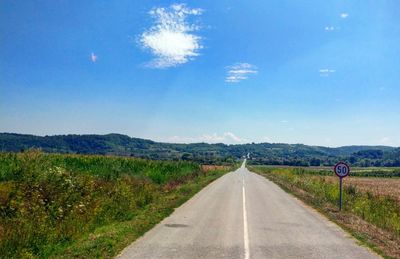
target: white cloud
<point>267,139</point>
<point>93,57</point>
<point>344,15</point>
<point>284,121</point>
<point>226,137</point>
<point>240,72</point>
<point>385,140</point>
<point>326,72</point>
<point>170,39</point>
<point>330,28</point>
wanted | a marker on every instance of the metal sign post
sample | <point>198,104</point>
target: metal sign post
<point>341,192</point>
<point>342,170</point>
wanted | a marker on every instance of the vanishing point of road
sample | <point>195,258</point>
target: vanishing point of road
<point>244,215</point>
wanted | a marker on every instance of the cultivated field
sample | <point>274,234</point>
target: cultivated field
<point>379,187</point>
<point>384,172</point>
<point>87,206</point>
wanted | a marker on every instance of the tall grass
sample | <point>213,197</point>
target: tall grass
<point>50,200</point>
<point>34,164</point>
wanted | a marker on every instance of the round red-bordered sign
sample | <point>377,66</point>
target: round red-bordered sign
<point>341,169</point>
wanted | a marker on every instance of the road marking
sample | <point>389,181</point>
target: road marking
<point>246,229</point>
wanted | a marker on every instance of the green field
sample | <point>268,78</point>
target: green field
<point>54,205</point>
<point>371,215</point>
<point>386,172</point>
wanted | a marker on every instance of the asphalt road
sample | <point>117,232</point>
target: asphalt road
<point>243,215</point>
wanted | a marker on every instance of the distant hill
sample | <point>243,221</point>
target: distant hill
<point>263,153</point>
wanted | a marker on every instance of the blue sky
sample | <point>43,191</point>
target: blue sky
<point>312,72</point>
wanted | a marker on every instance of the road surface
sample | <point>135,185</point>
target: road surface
<point>244,215</point>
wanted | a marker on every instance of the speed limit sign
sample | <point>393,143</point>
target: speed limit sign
<point>341,169</point>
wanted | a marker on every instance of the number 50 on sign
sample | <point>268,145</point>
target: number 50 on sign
<point>342,169</point>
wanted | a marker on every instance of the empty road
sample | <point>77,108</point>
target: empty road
<point>243,215</point>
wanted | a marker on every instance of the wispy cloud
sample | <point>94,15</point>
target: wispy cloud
<point>226,137</point>
<point>326,72</point>
<point>93,57</point>
<point>266,139</point>
<point>171,39</point>
<point>331,28</point>
<point>344,15</point>
<point>385,140</point>
<point>240,72</point>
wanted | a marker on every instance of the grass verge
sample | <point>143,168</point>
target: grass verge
<point>108,241</point>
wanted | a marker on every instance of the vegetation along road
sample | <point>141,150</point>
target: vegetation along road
<point>244,215</point>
